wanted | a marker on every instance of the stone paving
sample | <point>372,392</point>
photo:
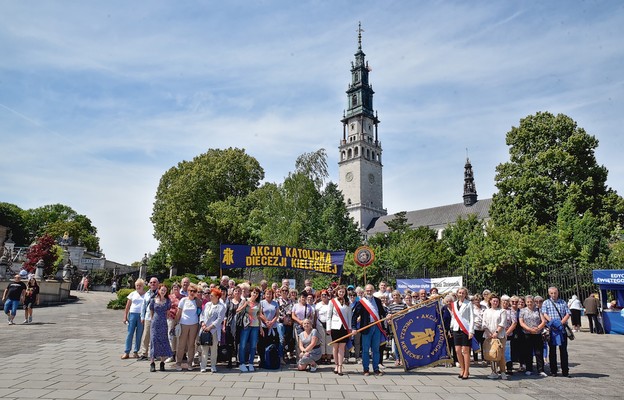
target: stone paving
<point>72,352</point>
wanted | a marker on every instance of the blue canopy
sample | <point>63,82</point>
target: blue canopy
<point>611,279</point>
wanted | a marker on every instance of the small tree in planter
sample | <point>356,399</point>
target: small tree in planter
<point>46,249</point>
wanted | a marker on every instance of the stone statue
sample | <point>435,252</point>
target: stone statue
<point>40,270</point>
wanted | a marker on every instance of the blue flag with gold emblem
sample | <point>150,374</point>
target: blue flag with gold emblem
<point>420,336</point>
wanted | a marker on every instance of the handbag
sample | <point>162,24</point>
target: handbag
<point>205,338</point>
<point>568,330</point>
<point>492,349</point>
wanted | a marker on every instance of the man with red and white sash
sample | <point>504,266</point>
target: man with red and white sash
<point>369,309</point>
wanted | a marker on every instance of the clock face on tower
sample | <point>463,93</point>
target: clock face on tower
<point>371,178</point>
<point>349,176</point>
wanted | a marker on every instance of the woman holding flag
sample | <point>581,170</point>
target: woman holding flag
<point>339,325</point>
<point>462,326</point>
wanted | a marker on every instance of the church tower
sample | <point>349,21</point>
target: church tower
<point>360,167</point>
<point>470,190</point>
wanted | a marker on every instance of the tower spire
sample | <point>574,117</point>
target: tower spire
<point>470,190</point>
<point>359,31</point>
<point>360,166</point>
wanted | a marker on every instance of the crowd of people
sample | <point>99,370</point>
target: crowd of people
<point>195,324</point>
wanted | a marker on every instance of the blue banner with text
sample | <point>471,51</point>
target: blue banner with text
<point>263,256</point>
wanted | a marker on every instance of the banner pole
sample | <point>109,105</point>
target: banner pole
<point>414,307</point>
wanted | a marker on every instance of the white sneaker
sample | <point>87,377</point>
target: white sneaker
<point>243,368</point>
<point>25,321</point>
<point>544,374</point>
<point>528,373</point>
<point>178,368</point>
<point>493,375</point>
<point>213,370</point>
<point>503,376</point>
<point>202,370</point>
<point>250,368</point>
<point>313,369</point>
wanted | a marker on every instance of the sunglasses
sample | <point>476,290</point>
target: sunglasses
<point>192,291</point>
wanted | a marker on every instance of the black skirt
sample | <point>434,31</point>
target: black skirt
<point>460,338</point>
<point>338,333</point>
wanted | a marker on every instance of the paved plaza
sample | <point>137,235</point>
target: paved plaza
<point>72,352</point>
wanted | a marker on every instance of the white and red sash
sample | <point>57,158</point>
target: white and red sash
<point>374,315</point>
<point>458,318</point>
<point>339,312</point>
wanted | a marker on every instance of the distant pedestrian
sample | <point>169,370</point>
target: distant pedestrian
<point>81,284</point>
<point>575,306</point>
<point>592,305</point>
<point>114,286</point>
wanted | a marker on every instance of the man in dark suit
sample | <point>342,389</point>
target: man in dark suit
<point>368,309</point>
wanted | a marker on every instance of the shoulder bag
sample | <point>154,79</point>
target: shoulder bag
<point>492,349</point>
<point>568,330</point>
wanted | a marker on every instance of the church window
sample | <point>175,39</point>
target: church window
<point>349,154</point>
<point>342,156</point>
<point>353,100</point>
<point>349,202</point>
<point>356,152</point>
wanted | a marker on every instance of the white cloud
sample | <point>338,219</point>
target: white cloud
<point>97,100</point>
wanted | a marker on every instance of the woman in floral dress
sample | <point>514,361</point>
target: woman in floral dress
<point>159,335</point>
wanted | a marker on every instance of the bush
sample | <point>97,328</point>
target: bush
<point>120,302</point>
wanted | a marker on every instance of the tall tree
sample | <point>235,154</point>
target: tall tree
<point>191,198</point>
<point>56,220</point>
<point>550,156</point>
<point>12,217</point>
<point>314,166</point>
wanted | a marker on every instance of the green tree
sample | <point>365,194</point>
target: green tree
<point>406,253</point>
<point>190,200</point>
<point>314,166</point>
<point>299,213</point>
<point>551,158</point>
<point>56,219</point>
<point>399,222</point>
<point>12,217</point>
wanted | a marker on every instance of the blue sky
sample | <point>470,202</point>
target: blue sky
<point>99,99</point>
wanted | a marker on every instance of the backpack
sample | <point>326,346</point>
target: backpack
<point>271,357</point>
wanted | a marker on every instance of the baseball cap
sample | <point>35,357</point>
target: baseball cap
<point>23,273</point>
